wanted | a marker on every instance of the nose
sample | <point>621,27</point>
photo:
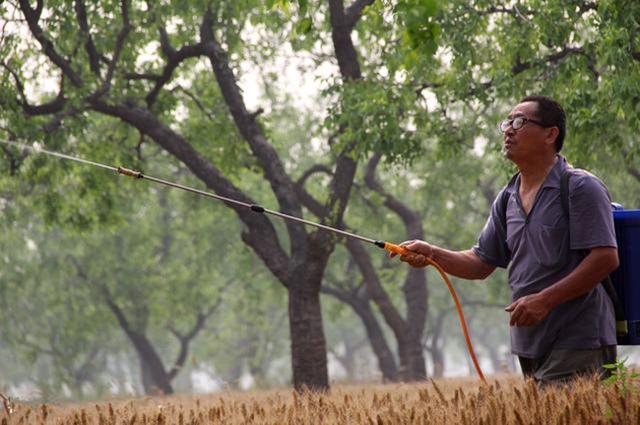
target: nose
<point>509,131</point>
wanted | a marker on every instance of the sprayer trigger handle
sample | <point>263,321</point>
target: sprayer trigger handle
<point>396,249</point>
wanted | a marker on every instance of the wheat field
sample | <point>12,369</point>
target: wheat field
<point>504,400</point>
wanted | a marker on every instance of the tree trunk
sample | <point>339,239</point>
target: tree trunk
<point>415,290</point>
<point>155,379</point>
<point>386,360</point>
<point>379,345</point>
<point>348,360</point>
<point>494,356</point>
<point>308,347</point>
<point>435,348</point>
<point>408,332</point>
<point>412,363</point>
<point>437,357</point>
<point>309,358</point>
<point>233,374</point>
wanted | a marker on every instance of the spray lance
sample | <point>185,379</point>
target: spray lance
<point>393,248</point>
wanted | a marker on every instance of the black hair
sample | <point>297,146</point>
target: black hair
<point>551,114</point>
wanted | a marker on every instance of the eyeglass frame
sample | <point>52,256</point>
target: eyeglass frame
<point>525,120</point>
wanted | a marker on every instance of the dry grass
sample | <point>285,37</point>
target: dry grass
<point>507,400</point>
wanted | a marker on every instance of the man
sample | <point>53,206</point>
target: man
<point>562,321</point>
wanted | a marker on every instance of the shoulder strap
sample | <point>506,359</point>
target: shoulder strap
<point>621,322</point>
<point>504,202</point>
<point>564,191</point>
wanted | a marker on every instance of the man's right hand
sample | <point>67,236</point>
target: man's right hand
<point>420,252</point>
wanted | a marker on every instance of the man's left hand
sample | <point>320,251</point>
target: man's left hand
<point>528,310</point>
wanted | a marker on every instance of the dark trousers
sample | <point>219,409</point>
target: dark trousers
<point>564,365</point>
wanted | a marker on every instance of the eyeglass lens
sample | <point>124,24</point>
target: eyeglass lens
<point>515,123</point>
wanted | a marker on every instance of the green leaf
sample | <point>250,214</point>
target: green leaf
<point>303,5</point>
<point>304,26</point>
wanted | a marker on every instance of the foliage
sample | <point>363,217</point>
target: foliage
<point>152,266</point>
<point>621,377</point>
<point>373,114</point>
<point>436,77</point>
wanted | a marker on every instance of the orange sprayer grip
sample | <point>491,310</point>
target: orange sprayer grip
<point>396,249</point>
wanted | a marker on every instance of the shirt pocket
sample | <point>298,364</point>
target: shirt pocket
<point>550,245</point>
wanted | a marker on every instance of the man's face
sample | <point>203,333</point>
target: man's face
<point>529,140</point>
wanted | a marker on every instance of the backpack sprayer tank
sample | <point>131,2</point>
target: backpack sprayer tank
<point>626,279</point>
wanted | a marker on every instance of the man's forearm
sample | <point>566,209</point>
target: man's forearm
<point>595,267</point>
<point>463,264</point>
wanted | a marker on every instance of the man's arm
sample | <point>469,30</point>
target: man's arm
<point>531,309</point>
<point>463,264</point>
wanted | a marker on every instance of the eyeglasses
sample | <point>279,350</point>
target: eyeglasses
<point>517,123</point>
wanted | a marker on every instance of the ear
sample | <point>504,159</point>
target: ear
<point>552,135</point>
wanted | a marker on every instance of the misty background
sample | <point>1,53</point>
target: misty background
<point>375,116</point>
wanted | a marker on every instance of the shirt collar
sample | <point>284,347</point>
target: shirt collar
<point>552,179</point>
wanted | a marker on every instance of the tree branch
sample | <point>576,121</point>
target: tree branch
<point>552,58</point>
<point>90,47</point>
<point>410,218</point>
<point>197,101</point>
<point>115,309</point>
<point>341,295</point>
<point>267,156</point>
<point>316,168</point>
<point>349,65</point>
<point>53,106</point>
<point>422,87</point>
<point>14,160</point>
<point>361,306</point>
<point>306,198</point>
<point>174,59</point>
<point>261,235</point>
<point>515,11</point>
<point>84,372</point>
<point>415,284</point>
<point>56,120</point>
<point>633,37</point>
<point>32,16</point>
<point>354,11</point>
<point>342,43</point>
<point>376,291</point>
<point>634,171</point>
<point>586,6</point>
<point>143,76</point>
<point>185,339</point>
<point>33,346</point>
<point>122,36</point>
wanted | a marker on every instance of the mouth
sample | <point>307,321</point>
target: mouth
<point>508,143</point>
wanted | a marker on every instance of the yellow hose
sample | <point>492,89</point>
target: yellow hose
<point>397,249</point>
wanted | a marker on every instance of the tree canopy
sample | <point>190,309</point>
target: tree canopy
<point>358,114</point>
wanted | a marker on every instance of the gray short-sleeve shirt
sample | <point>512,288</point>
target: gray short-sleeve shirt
<point>540,249</point>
